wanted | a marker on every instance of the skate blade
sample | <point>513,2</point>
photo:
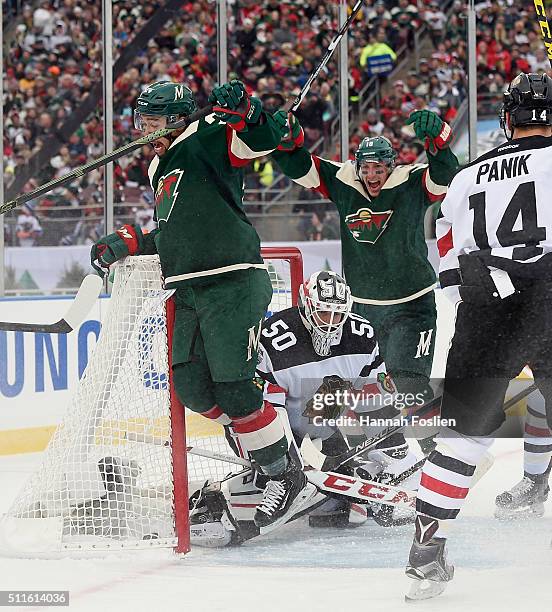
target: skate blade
<point>526,513</point>
<point>424,589</point>
<point>298,504</point>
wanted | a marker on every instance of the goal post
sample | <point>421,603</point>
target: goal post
<point>116,474</point>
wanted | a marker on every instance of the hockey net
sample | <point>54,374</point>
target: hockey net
<point>115,474</point>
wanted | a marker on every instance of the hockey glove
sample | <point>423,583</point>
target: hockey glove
<point>234,106</point>
<point>293,136</point>
<point>127,240</point>
<point>430,128</point>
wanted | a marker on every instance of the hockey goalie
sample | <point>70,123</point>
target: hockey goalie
<point>321,370</point>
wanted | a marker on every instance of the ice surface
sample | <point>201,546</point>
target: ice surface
<point>500,567</point>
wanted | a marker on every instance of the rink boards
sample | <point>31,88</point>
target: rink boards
<point>38,372</point>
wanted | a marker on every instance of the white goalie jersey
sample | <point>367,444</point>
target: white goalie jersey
<point>294,373</point>
<point>499,207</point>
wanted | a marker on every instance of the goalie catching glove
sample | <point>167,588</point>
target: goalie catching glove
<point>127,240</point>
<point>431,129</point>
<point>293,136</point>
<point>233,105</point>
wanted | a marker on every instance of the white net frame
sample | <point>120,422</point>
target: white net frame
<point>106,479</point>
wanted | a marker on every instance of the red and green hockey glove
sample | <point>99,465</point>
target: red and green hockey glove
<point>430,128</point>
<point>127,240</point>
<point>233,105</point>
<point>293,136</point>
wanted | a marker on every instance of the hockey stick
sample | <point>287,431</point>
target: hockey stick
<point>318,460</point>
<point>193,450</point>
<point>544,28</point>
<point>337,484</point>
<point>360,490</point>
<point>293,104</point>
<point>105,159</point>
<point>80,306</point>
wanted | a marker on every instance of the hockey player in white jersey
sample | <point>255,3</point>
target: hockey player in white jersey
<point>494,237</point>
<point>308,356</point>
<point>316,351</point>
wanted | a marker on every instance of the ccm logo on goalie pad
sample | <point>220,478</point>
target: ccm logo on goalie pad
<point>368,491</point>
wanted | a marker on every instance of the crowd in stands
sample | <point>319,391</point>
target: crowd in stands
<point>55,59</point>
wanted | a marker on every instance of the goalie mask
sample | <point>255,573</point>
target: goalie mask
<point>526,102</point>
<point>325,302</point>
<point>164,99</point>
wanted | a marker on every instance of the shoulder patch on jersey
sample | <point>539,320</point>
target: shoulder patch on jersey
<point>154,164</point>
<point>347,174</point>
<point>189,131</point>
<point>366,225</point>
<point>401,174</point>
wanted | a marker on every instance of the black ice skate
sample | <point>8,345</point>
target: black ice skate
<point>427,565</point>
<point>284,496</point>
<point>525,500</point>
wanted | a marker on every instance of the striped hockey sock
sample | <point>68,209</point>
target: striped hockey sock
<point>444,486</point>
<point>537,439</point>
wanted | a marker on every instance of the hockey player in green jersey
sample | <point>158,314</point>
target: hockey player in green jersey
<point>381,208</point>
<point>210,253</point>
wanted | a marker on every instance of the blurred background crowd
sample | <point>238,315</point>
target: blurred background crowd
<point>53,60</point>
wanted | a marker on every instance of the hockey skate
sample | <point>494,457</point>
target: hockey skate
<point>525,500</point>
<point>427,565</point>
<point>284,496</point>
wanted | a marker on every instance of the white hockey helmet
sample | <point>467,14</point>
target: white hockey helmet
<point>324,303</point>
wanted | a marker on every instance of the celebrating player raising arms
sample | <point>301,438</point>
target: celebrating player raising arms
<point>381,208</point>
<point>210,253</point>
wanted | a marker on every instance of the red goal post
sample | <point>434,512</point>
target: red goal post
<point>115,474</point>
<point>290,288</point>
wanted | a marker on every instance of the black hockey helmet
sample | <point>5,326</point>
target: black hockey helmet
<point>527,101</point>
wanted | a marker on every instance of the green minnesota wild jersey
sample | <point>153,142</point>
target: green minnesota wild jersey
<point>198,186</point>
<point>383,245</point>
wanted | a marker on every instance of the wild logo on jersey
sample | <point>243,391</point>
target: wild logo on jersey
<point>367,226</point>
<point>166,193</point>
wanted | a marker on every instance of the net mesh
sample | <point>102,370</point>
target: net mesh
<point>106,476</point>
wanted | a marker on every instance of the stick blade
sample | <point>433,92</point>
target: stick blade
<point>86,297</point>
<point>311,454</point>
<point>80,306</point>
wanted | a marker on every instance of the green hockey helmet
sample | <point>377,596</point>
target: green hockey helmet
<point>377,149</point>
<point>164,99</point>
